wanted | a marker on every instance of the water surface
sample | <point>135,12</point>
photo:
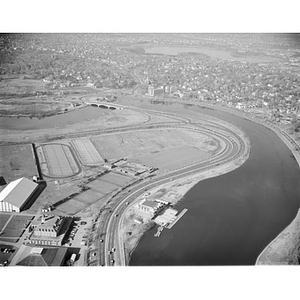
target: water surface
<point>231,218</point>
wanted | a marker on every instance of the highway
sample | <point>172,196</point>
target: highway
<point>110,228</point>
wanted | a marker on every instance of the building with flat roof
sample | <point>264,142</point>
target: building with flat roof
<point>17,194</point>
<point>168,217</point>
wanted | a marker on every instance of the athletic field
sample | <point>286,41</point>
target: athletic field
<point>86,151</point>
<point>99,191</point>
<point>57,160</point>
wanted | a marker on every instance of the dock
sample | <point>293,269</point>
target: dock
<point>178,218</point>
<point>159,230</point>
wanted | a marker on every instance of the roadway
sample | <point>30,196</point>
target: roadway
<point>110,228</point>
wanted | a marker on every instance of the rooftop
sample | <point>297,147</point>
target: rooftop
<point>18,191</point>
<point>38,256</point>
<point>150,203</point>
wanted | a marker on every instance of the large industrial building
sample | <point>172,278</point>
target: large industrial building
<point>17,194</point>
<point>40,256</point>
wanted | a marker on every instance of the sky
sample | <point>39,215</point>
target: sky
<point>150,16</point>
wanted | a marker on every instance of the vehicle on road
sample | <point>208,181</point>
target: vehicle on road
<point>101,241</point>
<point>112,261</point>
<point>113,249</point>
<point>127,203</point>
<point>116,215</point>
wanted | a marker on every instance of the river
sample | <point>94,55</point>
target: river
<point>73,117</point>
<point>231,218</point>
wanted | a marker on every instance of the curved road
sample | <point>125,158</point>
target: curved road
<point>234,148</point>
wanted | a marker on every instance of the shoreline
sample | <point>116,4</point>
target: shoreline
<point>275,254</point>
<point>284,248</point>
<point>295,223</point>
<point>287,236</point>
<point>176,190</point>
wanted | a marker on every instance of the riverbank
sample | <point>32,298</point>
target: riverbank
<point>284,249</point>
<point>287,242</point>
<point>173,192</point>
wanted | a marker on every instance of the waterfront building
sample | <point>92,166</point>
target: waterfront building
<point>150,207</point>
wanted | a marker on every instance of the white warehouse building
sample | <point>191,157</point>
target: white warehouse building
<point>16,194</point>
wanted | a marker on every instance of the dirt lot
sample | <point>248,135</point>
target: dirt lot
<point>146,142</point>
<point>17,161</point>
<point>169,159</point>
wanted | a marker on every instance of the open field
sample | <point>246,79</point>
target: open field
<point>117,179</point>
<point>71,207</point>
<point>87,152</point>
<point>21,86</point>
<point>179,157</point>
<point>17,161</point>
<point>57,160</point>
<point>16,226</point>
<point>89,196</point>
<point>99,191</point>
<point>102,186</point>
<point>132,144</point>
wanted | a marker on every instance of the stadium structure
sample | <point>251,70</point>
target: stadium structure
<point>18,193</point>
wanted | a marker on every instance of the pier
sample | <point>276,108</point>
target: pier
<point>178,218</point>
<point>159,230</point>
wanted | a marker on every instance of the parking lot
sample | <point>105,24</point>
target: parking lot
<point>78,237</point>
<point>6,253</point>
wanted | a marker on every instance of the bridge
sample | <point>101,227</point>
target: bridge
<point>105,105</point>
